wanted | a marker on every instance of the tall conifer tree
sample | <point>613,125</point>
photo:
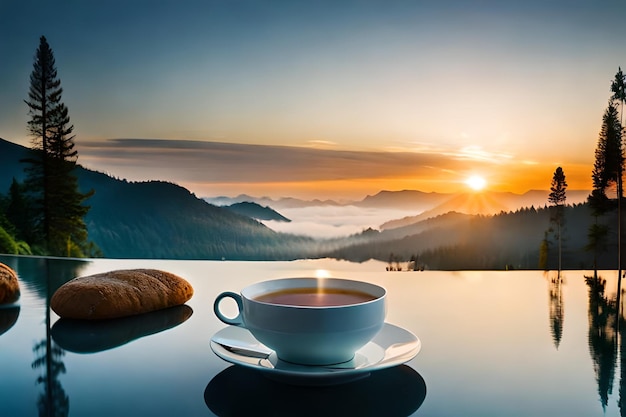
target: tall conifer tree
<point>557,199</point>
<point>50,179</point>
<point>618,88</point>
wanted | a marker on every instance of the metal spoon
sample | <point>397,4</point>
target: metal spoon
<point>261,352</point>
<point>238,347</point>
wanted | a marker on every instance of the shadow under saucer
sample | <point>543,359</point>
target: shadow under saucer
<point>91,336</point>
<point>240,391</point>
<point>8,317</point>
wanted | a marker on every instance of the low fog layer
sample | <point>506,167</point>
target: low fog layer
<point>334,221</point>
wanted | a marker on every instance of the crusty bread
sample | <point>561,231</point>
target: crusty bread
<point>9,285</point>
<point>120,293</point>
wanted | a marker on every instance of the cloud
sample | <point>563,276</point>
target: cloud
<point>230,162</point>
<point>477,153</point>
<point>467,152</point>
<point>321,144</point>
<point>218,168</point>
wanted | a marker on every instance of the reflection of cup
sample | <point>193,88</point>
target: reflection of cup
<point>307,320</point>
<point>91,336</point>
<point>8,317</point>
<point>397,391</point>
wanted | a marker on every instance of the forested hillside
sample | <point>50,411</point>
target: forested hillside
<point>509,240</point>
<point>10,165</point>
<point>162,220</point>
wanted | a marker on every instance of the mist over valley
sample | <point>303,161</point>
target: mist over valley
<point>387,209</point>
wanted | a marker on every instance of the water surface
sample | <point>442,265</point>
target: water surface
<point>516,343</point>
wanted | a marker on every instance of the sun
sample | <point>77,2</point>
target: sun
<point>476,182</point>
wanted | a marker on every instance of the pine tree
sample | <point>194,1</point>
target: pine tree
<point>609,163</point>
<point>607,173</point>
<point>612,152</point>
<point>51,183</point>
<point>618,88</point>
<point>557,199</point>
<point>558,188</point>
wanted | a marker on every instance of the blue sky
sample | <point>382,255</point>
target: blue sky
<point>508,90</point>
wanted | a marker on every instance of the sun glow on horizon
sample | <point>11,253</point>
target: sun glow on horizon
<point>476,182</point>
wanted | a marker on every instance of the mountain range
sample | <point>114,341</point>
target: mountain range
<point>158,219</point>
<point>424,205</point>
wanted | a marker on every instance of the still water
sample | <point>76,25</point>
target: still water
<point>517,343</point>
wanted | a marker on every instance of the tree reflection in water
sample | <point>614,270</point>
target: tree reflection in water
<point>557,310</point>
<point>53,402</point>
<point>621,402</point>
<point>602,336</point>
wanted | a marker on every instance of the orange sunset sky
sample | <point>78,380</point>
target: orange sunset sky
<point>323,99</point>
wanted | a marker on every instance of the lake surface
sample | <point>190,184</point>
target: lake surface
<point>516,343</point>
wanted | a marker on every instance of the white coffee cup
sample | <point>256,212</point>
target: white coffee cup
<point>310,321</point>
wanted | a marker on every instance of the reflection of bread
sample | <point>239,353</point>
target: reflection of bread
<point>9,286</point>
<point>8,317</point>
<point>90,336</point>
<point>120,293</point>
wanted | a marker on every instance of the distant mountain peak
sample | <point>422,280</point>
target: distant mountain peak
<point>256,211</point>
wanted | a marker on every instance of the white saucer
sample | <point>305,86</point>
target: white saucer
<point>392,346</point>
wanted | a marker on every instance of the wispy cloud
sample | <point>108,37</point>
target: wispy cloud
<point>214,168</point>
<point>466,152</point>
<point>322,144</point>
<point>220,162</point>
<point>477,153</point>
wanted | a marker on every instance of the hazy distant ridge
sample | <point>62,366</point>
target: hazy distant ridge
<point>256,211</point>
<point>487,203</point>
<point>424,205</point>
<point>281,203</point>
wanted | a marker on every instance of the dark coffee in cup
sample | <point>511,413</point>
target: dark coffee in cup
<point>315,297</point>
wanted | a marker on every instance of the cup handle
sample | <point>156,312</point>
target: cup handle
<point>235,321</point>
